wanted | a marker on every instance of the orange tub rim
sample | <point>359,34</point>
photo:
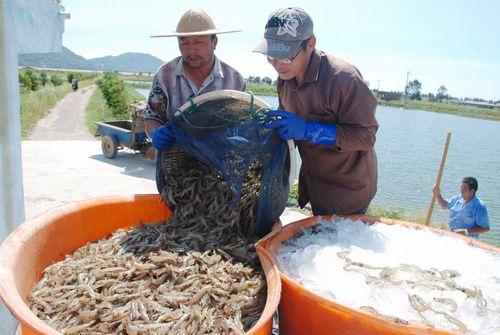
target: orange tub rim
<point>272,243</point>
<point>134,207</point>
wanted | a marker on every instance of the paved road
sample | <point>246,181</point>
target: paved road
<point>63,163</point>
<point>60,172</point>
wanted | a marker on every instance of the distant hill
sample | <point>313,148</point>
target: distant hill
<point>127,62</point>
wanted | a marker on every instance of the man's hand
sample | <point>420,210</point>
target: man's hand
<point>162,137</point>
<point>288,125</point>
<point>436,190</point>
<point>291,127</point>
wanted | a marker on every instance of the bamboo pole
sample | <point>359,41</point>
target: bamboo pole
<point>438,181</point>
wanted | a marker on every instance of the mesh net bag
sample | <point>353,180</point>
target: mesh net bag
<point>224,130</point>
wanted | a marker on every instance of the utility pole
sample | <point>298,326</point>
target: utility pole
<point>378,88</point>
<point>406,86</point>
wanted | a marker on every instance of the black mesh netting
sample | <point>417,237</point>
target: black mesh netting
<point>227,134</point>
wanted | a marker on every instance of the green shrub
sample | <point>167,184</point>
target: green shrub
<point>113,90</point>
<point>29,80</point>
<point>24,82</point>
<point>55,80</point>
<point>80,76</point>
<point>43,78</point>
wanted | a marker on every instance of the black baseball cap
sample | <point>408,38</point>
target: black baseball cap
<point>286,29</point>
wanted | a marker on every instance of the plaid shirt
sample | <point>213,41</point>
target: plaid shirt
<point>171,89</point>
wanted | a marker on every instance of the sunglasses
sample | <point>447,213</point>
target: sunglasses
<point>286,60</point>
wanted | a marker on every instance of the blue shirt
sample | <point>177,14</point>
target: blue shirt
<point>469,216</point>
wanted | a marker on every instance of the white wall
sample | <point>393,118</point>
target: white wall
<point>26,26</point>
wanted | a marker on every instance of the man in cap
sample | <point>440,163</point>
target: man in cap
<point>195,72</point>
<point>325,105</point>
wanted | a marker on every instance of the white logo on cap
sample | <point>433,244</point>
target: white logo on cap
<point>290,24</point>
<point>278,47</point>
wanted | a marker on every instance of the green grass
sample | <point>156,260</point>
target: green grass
<point>137,77</point>
<point>387,212</point>
<point>378,210</point>
<point>447,107</point>
<point>141,84</point>
<point>262,89</point>
<point>133,95</point>
<point>97,110</point>
<point>36,104</point>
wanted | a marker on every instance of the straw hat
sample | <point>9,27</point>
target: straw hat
<point>195,22</point>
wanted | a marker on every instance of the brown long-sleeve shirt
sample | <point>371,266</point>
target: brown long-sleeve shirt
<point>341,179</point>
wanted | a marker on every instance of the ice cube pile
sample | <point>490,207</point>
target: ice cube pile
<point>398,273</point>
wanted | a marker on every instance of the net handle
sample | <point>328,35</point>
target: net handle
<point>258,115</point>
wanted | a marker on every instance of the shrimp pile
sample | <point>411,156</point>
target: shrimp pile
<point>434,279</point>
<point>196,273</point>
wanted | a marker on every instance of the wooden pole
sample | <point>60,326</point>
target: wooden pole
<point>438,181</point>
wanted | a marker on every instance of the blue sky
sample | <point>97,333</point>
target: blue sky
<point>454,43</point>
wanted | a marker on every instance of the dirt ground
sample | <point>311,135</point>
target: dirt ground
<point>66,121</point>
<point>63,162</point>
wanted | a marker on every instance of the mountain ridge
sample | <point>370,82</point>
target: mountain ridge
<point>67,59</point>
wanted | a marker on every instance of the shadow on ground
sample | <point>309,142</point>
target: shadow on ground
<point>132,164</point>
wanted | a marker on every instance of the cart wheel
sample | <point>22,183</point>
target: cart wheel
<point>109,146</point>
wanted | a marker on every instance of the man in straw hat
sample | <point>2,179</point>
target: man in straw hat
<point>195,72</point>
<point>328,109</point>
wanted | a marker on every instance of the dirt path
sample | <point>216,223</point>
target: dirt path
<point>66,121</point>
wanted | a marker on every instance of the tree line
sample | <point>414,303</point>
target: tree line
<point>259,80</point>
<point>413,91</point>
<point>29,80</point>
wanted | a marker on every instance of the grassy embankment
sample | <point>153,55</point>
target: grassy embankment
<point>262,89</point>
<point>143,81</point>
<point>141,84</point>
<point>447,107</point>
<point>136,78</point>
<point>97,110</point>
<point>36,104</point>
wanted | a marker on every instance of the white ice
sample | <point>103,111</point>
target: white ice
<point>312,260</point>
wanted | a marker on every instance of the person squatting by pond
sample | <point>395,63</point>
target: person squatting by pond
<point>468,214</point>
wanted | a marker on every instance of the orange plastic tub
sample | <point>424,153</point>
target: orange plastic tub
<point>39,242</point>
<point>301,312</point>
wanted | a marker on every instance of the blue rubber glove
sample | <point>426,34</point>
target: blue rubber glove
<point>292,127</point>
<point>162,137</point>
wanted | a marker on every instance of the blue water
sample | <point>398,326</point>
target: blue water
<point>409,147</point>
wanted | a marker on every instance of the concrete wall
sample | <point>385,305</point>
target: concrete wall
<point>38,24</point>
<point>26,26</point>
